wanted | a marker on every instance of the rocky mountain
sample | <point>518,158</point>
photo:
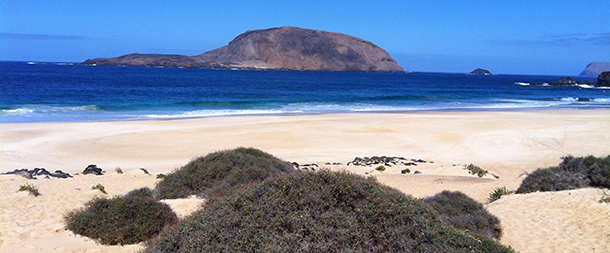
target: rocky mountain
<point>289,48</point>
<point>595,68</point>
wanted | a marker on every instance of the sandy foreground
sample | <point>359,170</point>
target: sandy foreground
<point>507,143</point>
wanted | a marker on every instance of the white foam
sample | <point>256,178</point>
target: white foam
<point>18,111</point>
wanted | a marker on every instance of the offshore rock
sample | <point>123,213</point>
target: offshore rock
<point>595,68</point>
<point>564,81</point>
<point>603,80</point>
<point>286,48</point>
<point>480,71</point>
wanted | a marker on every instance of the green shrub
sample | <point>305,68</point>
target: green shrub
<point>99,187</point>
<point>476,170</point>
<point>316,212</point>
<point>121,220</point>
<point>143,193</point>
<point>605,197</point>
<point>405,171</point>
<point>161,176</point>
<point>145,171</point>
<point>572,173</point>
<point>498,193</point>
<point>31,189</point>
<point>118,170</point>
<point>380,168</point>
<point>464,213</point>
<point>220,171</point>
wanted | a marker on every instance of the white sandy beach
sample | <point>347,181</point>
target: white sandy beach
<point>507,143</point>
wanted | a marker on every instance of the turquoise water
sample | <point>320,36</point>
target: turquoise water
<point>46,92</point>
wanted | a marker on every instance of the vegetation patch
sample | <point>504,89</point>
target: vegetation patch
<point>220,171</point>
<point>405,171</point>
<point>380,168</point>
<point>476,170</point>
<point>605,197</point>
<point>317,212</point>
<point>161,176</point>
<point>31,189</point>
<point>118,170</point>
<point>121,220</point>
<point>498,193</point>
<point>145,171</point>
<point>572,173</point>
<point>99,187</point>
<point>464,213</point>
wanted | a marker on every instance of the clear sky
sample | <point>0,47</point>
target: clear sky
<point>558,37</point>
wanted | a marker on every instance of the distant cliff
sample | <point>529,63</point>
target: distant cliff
<point>595,68</point>
<point>289,48</point>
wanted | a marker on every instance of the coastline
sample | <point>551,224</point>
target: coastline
<point>507,143</point>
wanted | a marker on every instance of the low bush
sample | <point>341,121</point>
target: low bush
<point>380,168</point>
<point>498,193</point>
<point>121,220</point>
<point>99,187</point>
<point>220,171</point>
<point>605,197</point>
<point>145,171</point>
<point>572,173</point>
<point>161,176</point>
<point>143,193</point>
<point>31,189</point>
<point>405,171</point>
<point>118,170</point>
<point>464,213</point>
<point>317,212</point>
<point>476,170</point>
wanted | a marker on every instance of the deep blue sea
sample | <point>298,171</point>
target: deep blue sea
<point>47,92</point>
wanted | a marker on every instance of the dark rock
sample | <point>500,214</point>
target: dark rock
<point>289,48</point>
<point>93,169</point>
<point>383,160</point>
<point>595,68</point>
<point>564,81</point>
<point>603,80</point>
<point>417,172</point>
<point>33,174</point>
<point>480,71</point>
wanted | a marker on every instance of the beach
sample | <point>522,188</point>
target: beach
<point>509,144</point>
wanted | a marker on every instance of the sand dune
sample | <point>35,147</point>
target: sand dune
<point>505,143</point>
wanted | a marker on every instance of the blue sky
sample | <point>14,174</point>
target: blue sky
<point>507,37</point>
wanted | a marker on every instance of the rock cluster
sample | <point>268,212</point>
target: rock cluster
<point>93,169</point>
<point>603,80</point>
<point>33,174</point>
<point>309,166</point>
<point>564,81</point>
<point>385,160</point>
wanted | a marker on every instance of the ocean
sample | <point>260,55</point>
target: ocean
<point>51,92</point>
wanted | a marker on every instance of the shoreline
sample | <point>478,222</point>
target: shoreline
<point>155,117</point>
<point>506,143</point>
<point>18,137</point>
